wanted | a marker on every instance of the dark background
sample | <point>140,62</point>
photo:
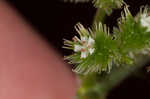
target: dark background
<point>55,20</point>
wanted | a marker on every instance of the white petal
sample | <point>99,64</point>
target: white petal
<point>147,18</point>
<point>145,21</point>
<point>84,38</point>
<point>90,41</point>
<point>143,15</point>
<point>77,48</point>
<point>84,54</point>
<point>91,50</point>
<point>146,24</point>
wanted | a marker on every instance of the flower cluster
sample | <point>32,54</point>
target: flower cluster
<point>97,51</point>
<point>85,46</point>
<point>93,52</point>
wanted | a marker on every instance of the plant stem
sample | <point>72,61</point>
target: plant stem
<point>99,16</point>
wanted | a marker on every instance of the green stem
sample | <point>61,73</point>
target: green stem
<point>99,16</point>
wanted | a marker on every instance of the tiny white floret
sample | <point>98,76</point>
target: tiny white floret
<point>145,21</point>
<point>90,41</point>
<point>84,54</point>
<point>77,48</point>
<point>84,38</point>
<point>91,50</point>
<point>86,46</point>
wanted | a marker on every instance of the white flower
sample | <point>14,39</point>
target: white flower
<point>77,48</point>
<point>86,46</point>
<point>91,50</point>
<point>84,54</point>
<point>145,21</point>
<point>90,41</point>
<point>84,39</point>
